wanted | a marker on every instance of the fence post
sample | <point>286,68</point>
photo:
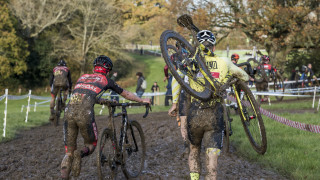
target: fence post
<point>35,107</point>
<point>5,114</point>
<point>314,96</point>
<point>28,107</point>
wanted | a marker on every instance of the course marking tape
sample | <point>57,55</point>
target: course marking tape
<point>282,120</point>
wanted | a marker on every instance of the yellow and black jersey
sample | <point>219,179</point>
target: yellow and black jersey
<point>219,69</point>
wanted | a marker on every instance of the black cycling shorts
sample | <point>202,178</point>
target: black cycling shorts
<point>206,125</point>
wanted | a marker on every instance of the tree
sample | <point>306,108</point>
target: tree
<point>278,25</point>
<point>12,48</point>
<point>94,29</point>
<point>36,16</point>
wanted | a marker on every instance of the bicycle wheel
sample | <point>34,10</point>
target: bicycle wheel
<point>278,85</point>
<point>134,151</point>
<point>260,74</point>
<point>171,50</point>
<point>226,140</point>
<point>184,65</point>
<point>251,119</point>
<point>106,159</point>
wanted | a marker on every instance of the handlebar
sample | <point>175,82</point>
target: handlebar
<point>147,106</point>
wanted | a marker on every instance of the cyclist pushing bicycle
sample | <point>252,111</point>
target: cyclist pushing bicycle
<point>79,114</point>
<point>60,79</point>
<point>205,122</point>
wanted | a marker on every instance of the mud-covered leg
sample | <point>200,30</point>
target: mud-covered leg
<point>184,135</point>
<point>89,133</point>
<point>213,140</point>
<point>183,129</point>
<point>70,139</point>
<point>194,162</point>
<point>212,163</point>
<point>52,104</point>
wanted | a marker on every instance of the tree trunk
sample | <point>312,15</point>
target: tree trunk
<point>278,57</point>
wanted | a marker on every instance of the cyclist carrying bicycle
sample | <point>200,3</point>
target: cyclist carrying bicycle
<point>79,114</point>
<point>60,79</point>
<point>205,119</point>
<point>263,86</point>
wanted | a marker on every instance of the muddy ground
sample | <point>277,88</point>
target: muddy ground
<point>37,153</point>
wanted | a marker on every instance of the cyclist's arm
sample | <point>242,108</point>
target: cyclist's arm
<point>124,93</point>
<point>237,72</point>
<point>249,68</point>
<point>130,96</point>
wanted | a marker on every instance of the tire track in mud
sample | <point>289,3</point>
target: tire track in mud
<point>37,153</point>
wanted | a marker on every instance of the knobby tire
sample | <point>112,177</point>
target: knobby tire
<point>254,127</point>
<point>132,166</point>
<point>106,166</point>
<point>203,95</point>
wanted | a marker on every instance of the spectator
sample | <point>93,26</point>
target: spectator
<point>114,95</point>
<point>140,89</point>
<point>154,88</point>
<point>168,92</point>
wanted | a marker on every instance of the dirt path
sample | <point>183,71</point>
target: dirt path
<point>37,153</point>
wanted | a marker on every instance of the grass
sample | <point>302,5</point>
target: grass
<point>292,152</point>
<point>16,118</point>
<point>152,71</point>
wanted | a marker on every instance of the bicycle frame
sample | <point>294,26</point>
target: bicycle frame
<point>123,130</point>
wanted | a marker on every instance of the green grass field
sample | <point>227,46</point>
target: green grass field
<point>291,152</point>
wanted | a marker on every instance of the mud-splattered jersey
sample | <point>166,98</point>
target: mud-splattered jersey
<point>89,86</point>
<point>61,76</point>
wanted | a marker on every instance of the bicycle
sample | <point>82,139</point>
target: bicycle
<point>129,152</point>
<point>194,67</point>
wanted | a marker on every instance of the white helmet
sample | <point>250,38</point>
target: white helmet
<point>206,36</point>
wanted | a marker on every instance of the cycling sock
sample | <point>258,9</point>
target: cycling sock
<point>213,151</point>
<point>194,176</point>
